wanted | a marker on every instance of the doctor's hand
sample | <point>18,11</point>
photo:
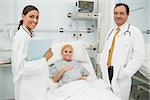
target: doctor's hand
<point>48,54</point>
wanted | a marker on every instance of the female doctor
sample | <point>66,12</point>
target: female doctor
<point>30,77</point>
<point>123,53</point>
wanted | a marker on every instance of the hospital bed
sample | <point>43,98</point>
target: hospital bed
<point>91,89</point>
<point>141,82</point>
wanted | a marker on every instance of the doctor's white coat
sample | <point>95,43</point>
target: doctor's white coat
<point>30,77</point>
<point>128,56</point>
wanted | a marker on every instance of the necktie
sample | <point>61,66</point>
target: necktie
<point>112,48</point>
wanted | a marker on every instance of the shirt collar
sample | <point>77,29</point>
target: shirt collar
<point>122,28</point>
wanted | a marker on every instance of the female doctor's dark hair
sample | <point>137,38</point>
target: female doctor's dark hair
<point>27,9</point>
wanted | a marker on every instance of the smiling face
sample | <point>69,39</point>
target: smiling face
<point>120,15</point>
<point>67,53</point>
<point>30,20</point>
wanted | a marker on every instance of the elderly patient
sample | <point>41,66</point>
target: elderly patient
<point>67,70</point>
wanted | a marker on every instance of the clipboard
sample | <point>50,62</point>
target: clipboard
<point>37,48</point>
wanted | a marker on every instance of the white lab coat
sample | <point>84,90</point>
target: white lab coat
<point>128,56</point>
<point>30,77</point>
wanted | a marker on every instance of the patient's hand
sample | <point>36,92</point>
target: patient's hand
<point>67,68</point>
<point>83,77</point>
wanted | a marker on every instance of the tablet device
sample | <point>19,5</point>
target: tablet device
<point>37,48</point>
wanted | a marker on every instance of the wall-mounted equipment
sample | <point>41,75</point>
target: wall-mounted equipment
<point>84,16</point>
<point>85,6</point>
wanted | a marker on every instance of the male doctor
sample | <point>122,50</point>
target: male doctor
<point>123,53</point>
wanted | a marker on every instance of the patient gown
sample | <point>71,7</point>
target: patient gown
<point>71,75</point>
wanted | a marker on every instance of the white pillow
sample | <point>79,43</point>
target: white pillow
<point>79,51</point>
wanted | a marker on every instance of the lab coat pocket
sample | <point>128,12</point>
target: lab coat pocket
<point>122,74</point>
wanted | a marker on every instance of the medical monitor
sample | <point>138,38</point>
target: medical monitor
<point>85,6</point>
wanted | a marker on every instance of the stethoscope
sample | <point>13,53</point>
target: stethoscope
<point>127,32</point>
<point>30,33</point>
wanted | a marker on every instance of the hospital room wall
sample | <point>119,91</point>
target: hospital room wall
<point>139,12</point>
<point>7,18</point>
<point>147,36</point>
<point>53,16</point>
<point>50,18</point>
<point>7,10</point>
<point>104,20</point>
<point>148,14</point>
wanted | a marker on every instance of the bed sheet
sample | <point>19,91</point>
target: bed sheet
<point>83,90</point>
